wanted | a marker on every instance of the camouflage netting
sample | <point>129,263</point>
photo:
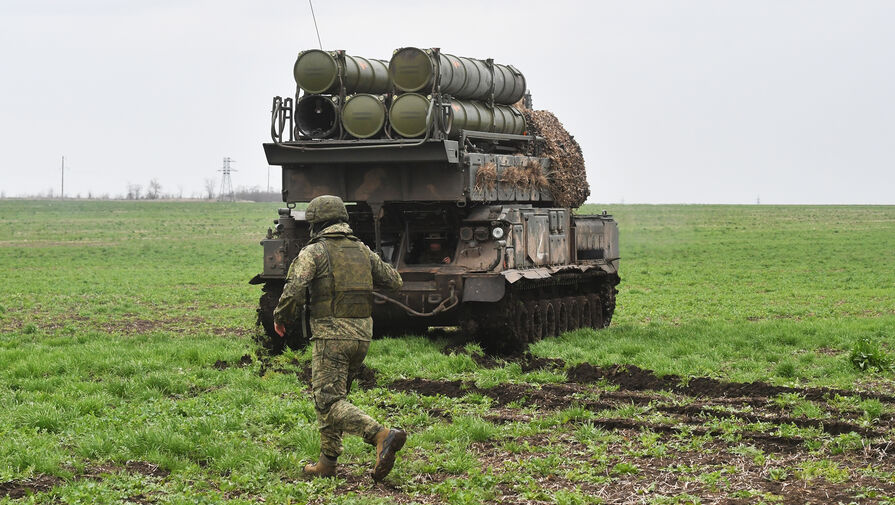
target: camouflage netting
<point>530,176</point>
<point>486,177</point>
<point>568,180</point>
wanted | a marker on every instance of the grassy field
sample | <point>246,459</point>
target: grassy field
<point>128,371</point>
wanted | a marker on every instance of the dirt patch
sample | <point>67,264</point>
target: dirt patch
<point>243,362</point>
<point>21,488</point>
<point>41,483</point>
<point>485,361</point>
<point>686,410</point>
<point>548,396</point>
<point>633,378</point>
<point>146,468</point>
<point>366,378</point>
<point>531,363</point>
<point>831,426</point>
<point>451,389</point>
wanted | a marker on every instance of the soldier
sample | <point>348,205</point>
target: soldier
<point>339,273</point>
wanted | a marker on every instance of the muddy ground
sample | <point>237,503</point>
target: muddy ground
<point>711,440</point>
<point>697,439</point>
<point>41,483</point>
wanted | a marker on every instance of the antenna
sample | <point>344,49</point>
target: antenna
<point>226,193</point>
<point>315,24</point>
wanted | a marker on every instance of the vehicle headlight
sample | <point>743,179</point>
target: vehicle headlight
<point>497,233</point>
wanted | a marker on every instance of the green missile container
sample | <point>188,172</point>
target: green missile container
<point>413,69</point>
<point>318,72</point>
<point>317,116</point>
<point>470,115</point>
<point>510,82</point>
<point>363,115</point>
<point>408,115</point>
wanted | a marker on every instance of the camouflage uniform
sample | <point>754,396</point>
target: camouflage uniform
<point>340,344</point>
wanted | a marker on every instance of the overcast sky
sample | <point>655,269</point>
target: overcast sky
<point>687,101</point>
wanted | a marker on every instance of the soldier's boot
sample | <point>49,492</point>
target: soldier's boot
<point>324,467</point>
<point>388,442</point>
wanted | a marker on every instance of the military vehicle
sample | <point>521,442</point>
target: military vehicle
<point>442,179</point>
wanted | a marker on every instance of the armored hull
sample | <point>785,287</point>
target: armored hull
<point>494,258</point>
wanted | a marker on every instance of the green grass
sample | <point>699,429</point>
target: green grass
<point>113,314</point>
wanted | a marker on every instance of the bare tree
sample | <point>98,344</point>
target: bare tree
<point>209,188</point>
<point>180,191</point>
<point>133,191</point>
<point>154,190</point>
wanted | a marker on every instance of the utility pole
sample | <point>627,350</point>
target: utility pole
<point>62,193</point>
<point>226,183</point>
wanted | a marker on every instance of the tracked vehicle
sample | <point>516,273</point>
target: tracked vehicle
<point>449,187</point>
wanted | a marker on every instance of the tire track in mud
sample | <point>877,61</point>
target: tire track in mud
<point>634,378</point>
<point>631,377</point>
<point>701,399</point>
<point>713,398</point>
<point>697,401</point>
<point>690,418</point>
<point>629,401</point>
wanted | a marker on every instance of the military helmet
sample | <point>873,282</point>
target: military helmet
<point>326,208</point>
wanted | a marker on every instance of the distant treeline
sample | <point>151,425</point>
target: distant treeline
<point>153,191</point>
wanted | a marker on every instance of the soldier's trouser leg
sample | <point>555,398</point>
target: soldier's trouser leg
<point>334,364</point>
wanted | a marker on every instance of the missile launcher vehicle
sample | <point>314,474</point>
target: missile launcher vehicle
<point>442,178</point>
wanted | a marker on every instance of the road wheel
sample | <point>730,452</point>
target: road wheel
<point>584,311</point>
<point>268,338</point>
<point>562,315</point>
<point>607,297</point>
<point>596,311</point>
<point>537,321</point>
<point>574,317</point>
<point>522,326</point>
<point>550,318</point>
